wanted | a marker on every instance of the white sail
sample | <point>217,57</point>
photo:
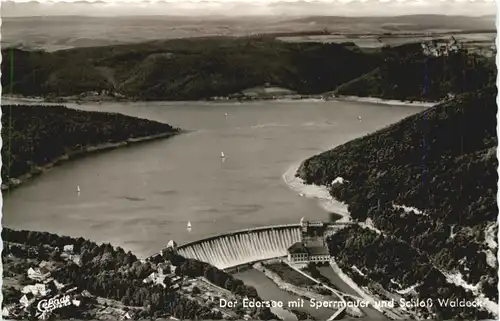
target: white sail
<point>222,155</point>
<point>189,224</point>
<point>78,188</point>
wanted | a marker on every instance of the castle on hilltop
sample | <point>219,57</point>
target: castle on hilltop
<point>440,47</point>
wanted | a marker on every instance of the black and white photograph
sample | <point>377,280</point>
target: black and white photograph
<point>249,160</point>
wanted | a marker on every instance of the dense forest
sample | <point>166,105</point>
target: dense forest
<point>109,272</point>
<point>407,73</point>
<point>36,135</point>
<point>442,164</point>
<point>201,68</point>
<point>397,262</point>
<point>183,69</point>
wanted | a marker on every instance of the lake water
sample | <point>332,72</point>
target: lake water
<point>141,197</point>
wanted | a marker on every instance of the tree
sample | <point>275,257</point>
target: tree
<point>229,284</point>
<point>196,290</point>
<point>167,281</point>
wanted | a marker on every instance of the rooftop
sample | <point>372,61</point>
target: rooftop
<point>298,248</point>
<point>318,250</point>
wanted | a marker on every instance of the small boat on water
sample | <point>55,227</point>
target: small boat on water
<point>359,118</point>
<point>225,115</point>
<point>189,225</point>
<point>222,155</point>
<point>78,188</point>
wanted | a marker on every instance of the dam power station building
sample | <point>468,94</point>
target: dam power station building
<point>303,242</point>
<point>312,246</point>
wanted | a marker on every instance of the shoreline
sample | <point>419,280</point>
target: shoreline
<point>81,152</point>
<point>327,202</point>
<point>311,98</point>
<point>106,99</point>
<point>382,101</point>
<point>321,193</point>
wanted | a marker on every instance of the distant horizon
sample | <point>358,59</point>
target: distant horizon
<point>254,8</point>
<point>246,16</point>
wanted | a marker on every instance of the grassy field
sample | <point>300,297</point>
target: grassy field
<point>289,275</point>
<point>476,42</point>
<point>63,32</point>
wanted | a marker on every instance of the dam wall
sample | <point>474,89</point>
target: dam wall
<point>240,247</point>
<point>245,246</point>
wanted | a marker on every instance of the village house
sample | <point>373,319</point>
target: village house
<point>38,289</point>
<point>87,294</point>
<point>42,289</point>
<point>156,278</point>
<point>29,289</point>
<point>27,299</point>
<point>44,264</point>
<point>76,259</point>
<point>8,311</point>
<point>68,248</point>
<point>150,278</point>
<point>127,316</point>
<point>38,274</point>
<point>164,269</point>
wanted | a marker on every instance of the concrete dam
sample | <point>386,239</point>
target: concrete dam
<point>246,246</point>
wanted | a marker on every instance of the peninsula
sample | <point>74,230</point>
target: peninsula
<point>423,195</point>
<point>38,137</point>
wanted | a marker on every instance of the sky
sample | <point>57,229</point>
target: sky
<point>248,7</point>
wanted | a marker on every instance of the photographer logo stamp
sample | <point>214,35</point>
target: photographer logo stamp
<point>46,306</point>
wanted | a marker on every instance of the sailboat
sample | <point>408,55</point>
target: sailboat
<point>222,155</point>
<point>225,115</point>
<point>78,188</point>
<point>359,118</point>
<point>189,225</point>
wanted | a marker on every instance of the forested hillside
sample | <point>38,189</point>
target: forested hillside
<point>411,75</point>
<point>111,273</point>
<point>201,68</point>
<point>183,69</point>
<point>442,163</point>
<point>36,135</point>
